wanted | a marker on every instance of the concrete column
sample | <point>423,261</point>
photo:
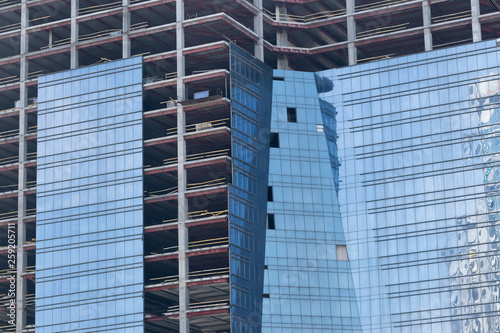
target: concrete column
<point>258,27</point>
<point>476,26</point>
<point>182,209</point>
<point>75,4</point>
<point>125,29</point>
<point>50,38</point>
<point>282,36</point>
<point>21,200</point>
<point>426,11</point>
<point>351,33</point>
<point>283,62</point>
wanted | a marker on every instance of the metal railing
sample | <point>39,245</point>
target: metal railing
<point>172,75</point>
<point>198,305</point>
<point>206,273</point>
<point>32,241</point>
<point>197,127</point>
<point>32,129</point>
<point>97,34</point>
<point>166,191</point>
<point>15,132</point>
<point>198,214</point>
<point>195,245</point>
<point>377,58</point>
<point>303,18</point>
<point>205,213</point>
<point>8,328</point>
<point>208,183</point>
<point>97,8</point>
<point>213,153</point>
<point>169,220</point>
<point>9,79</point>
<point>5,3</point>
<point>7,271</point>
<point>190,186</point>
<point>9,160</point>
<point>382,30</point>
<point>110,5</point>
<point>191,157</point>
<point>207,124</point>
<point>8,188</point>
<point>157,78</point>
<point>9,133</point>
<point>14,159</point>
<point>452,16</point>
<point>208,242</point>
<point>17,26</point>
<point>15,78</point>
<point>14,187</point>
<point>379,4</point>
<point>14,214</point>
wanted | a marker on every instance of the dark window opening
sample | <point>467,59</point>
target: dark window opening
<point>291,114</point>
<point>265,295</point>
<point>270,196</point>
<point>270,222</point>
<point>274,140</point>
<point>278,78</point>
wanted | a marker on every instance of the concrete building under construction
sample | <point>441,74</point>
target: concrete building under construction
<point>183,188</point>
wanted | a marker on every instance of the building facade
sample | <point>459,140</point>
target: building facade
<point>419,193</point>
<point>101,190</point>
<point>90,272</point>
<point>375,219</point>
<point>308,280</point>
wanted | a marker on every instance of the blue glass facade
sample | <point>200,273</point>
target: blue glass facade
<point>308,286</point>
<point>382,207</point>
<point>251,83</point>
<point>89,200</point>
<point>418,144</point>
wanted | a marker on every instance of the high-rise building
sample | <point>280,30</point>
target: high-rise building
<point>419,146</point>
<point>147,145</point>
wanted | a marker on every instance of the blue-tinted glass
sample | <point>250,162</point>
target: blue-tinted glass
<point>309,289</point>
<point>250,116</point>
<point>83,209</point>
<point>418,194</point>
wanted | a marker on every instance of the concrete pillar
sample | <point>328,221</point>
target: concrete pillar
<point>258,27</point>
<point>182,209</point>
<point>125,29</point>
<point>426,11</point>
<point>21,200</point>
<point>282,35</point>
<point>283,62</point>
<point>476,26</point>
<point>351,33</point>
<point>50,38</point>
<point>75,5</point>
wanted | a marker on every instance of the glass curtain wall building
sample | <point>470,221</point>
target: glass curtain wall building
<point>308,282</point>
<point>90,273</point>
<point>381,196</point>
<point>381,200</point>
<point>418,141</point>
<point>95,254</point>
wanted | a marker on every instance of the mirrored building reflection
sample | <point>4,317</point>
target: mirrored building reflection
<point>418,141</point>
